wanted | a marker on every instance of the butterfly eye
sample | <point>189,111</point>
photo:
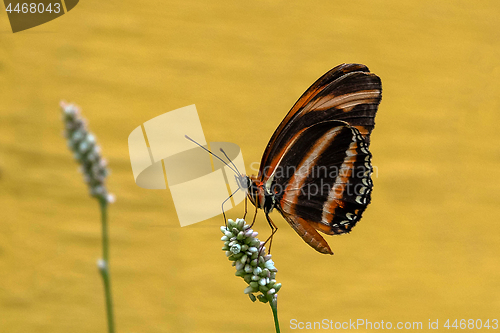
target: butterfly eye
<point>246,182</point>
<point>243,182</point>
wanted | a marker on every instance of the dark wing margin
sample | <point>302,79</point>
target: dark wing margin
<point>323,181</point>
<point>348,93</point>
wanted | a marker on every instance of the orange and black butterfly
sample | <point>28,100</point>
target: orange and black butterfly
<point>316,169</point>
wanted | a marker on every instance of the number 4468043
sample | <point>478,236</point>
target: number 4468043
<point>34,8</point>
<point>472,324</point>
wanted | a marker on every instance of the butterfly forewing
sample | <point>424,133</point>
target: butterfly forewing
<point>310,94</point>
<point>353,98</point>
<point>347,93</point>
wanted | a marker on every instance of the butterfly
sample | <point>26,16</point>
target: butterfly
<point>316,169</point>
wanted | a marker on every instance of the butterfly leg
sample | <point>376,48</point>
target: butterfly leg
<point>245,215</point>
<point>223,212</point>
<point>254,216</point>
<point>274,228</point>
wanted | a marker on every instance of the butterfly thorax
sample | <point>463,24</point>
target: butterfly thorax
<point>257,192</point>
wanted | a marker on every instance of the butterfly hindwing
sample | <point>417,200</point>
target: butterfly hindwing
<point>323,179</point>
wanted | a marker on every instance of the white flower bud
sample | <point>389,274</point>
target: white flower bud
<point>243,258</point>
<point>101,264</point>
<point>90,138</point>
<point>236,248</point>
<point>111,198</point>
<point>248,290</point>
<point>240,223</point>
<point>239,265</point>
<point>231,224</point>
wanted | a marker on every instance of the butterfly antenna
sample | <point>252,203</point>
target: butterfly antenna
<point>222,150</point>
<point>208,151</point>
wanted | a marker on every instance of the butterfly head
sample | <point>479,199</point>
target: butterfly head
<point>243,182</point>
<point>253,188</point>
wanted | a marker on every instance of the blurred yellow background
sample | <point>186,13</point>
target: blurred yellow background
<point>427,248</point>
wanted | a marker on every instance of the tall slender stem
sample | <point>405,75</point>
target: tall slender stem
<point>274,306</point>
<point>104,265</point>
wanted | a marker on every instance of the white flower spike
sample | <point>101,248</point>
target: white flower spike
<point>243,248</point>
<point>86,151</point>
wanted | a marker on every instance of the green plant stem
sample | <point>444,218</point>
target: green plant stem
<point>104,268</point>
<point>274,306</point>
